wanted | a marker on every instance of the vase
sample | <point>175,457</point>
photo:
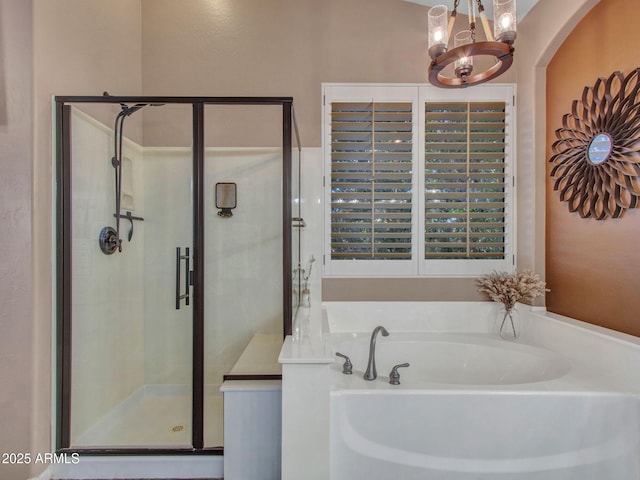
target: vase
<point>305,298</point>
<point>508,323</point>
<point>295,327</point>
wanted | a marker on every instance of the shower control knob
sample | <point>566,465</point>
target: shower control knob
<point>347,368</point>
<point>394,376</point>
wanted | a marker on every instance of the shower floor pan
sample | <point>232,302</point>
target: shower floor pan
<point>155,416</point>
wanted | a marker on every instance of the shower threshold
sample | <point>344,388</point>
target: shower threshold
<point>161,466</point>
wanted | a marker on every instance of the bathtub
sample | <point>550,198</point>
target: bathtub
<point>561,403</point>
<point>471,406</point>
<point>440,435</point>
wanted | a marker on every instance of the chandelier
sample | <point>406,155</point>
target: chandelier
<point>498,45</point>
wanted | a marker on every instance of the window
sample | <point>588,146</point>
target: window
<point>418,180</point>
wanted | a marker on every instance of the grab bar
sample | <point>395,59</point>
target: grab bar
<point>179,258</point>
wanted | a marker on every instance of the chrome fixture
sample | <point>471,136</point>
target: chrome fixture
<point>188,276</point>
<point>109,238</point>
<point>498,43</point>
<point>371,372</point>
<point>298,222</point>
<point>347,368</point>
<point>394,376</point>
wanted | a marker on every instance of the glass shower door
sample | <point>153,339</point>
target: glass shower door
<point>243,247</point>
<point>131,318</point>
<point>157,295</point>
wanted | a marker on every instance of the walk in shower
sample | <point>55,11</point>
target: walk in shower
<point>175,247</point>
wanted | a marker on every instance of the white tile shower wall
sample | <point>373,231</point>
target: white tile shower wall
<point>107,289</point>
<point>311,210</point>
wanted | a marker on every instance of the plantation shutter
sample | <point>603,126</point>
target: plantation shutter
<point>371,180</point>
<point>464,191</point>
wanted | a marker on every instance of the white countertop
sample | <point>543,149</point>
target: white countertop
<point>308,344</point>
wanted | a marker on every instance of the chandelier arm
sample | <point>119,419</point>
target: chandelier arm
<point>472,20</point>
<point>485,23</point>
<point>452,20</point>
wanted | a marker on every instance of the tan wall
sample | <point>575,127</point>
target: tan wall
<point>401,290</point>
<point>277,48</point>
<point>592,267</point>
<point>16,326</point>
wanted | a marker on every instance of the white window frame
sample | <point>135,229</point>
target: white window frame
<point>419,94</point>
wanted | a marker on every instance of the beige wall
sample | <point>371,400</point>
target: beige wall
<point>592,266</point>
<point>16,277</point>
<point>278,48</point>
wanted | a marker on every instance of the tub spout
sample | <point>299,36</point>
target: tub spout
<point>371,372</point>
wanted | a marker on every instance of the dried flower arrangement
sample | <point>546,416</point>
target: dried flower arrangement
<point>306,272</point>
<point>510,288</point>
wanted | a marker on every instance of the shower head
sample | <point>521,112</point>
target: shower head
<point>128,110</point>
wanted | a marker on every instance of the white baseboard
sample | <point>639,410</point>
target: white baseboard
<point>114,467</point>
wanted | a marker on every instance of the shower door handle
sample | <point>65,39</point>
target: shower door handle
<point>180,258</point>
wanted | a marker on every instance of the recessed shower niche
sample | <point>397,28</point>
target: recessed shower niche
<point>147,331</point>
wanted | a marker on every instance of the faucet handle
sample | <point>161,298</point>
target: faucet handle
<point>394,376</point>
<point>347,368</point>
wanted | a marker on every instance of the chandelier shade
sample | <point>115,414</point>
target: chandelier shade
<point>498,44</point>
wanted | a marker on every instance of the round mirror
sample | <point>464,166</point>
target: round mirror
<point>600,148</point>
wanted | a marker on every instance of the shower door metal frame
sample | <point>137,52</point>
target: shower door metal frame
<point>63,258</point>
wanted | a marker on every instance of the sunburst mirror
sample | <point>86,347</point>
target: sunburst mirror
<point>596,157</point>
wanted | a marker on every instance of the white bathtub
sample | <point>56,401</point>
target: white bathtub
<point>561,403</point>
<point>471,406</point>
<point>439,435</point>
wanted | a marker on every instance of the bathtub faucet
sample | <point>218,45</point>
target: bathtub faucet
<point>371,372</point>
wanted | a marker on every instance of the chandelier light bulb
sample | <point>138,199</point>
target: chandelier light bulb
<point>506,21</point>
